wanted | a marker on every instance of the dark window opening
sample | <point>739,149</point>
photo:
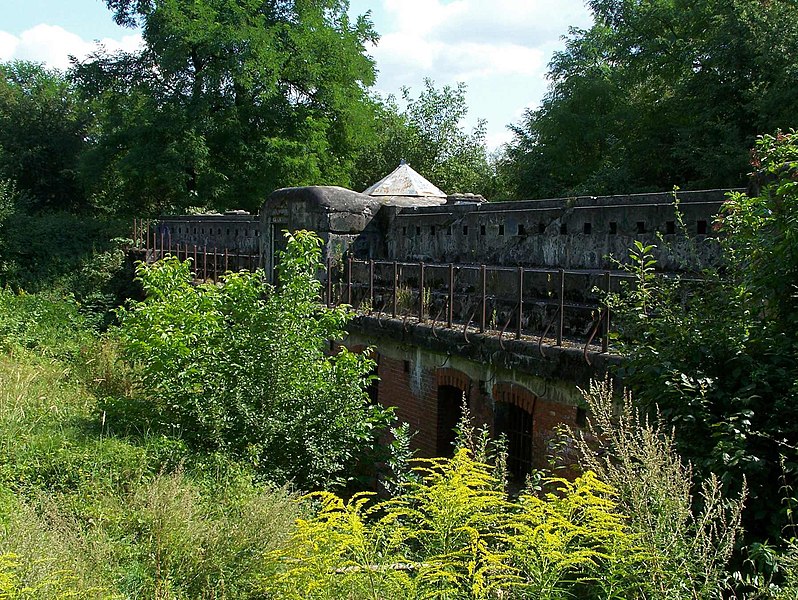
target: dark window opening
<point>541,228</point>
<point>670,227</point>
<point>465,229</point>
<point>481,230</point>
<point>449,230</point>
<point>587,228</point>
<point>641,227</point>
<point>418,230</point>
<point>613,228</point>
<point>581,417</point>
<point>563,229</point>
<point>521,229</point>
<point>516,425</point>
<point>702,228</point>
<point>432,230</point>
<point>219,232</point>
<point>406,366</point>
<point>228,232</point>
<point>450,411</point>
<point>195,230</point>
<point>501,229</point>
<point>404,230</point>
<point>202,231</point>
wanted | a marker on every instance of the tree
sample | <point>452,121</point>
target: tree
<point>241,368</point>
<point>658,93</point>
<point>42,132</point>
<point>429,135</point>
<point>719,362</point>
<point>226,102</point>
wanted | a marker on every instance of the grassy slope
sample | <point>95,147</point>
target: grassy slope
<point>87,509</point>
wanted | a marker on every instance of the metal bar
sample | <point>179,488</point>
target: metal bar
<point>605,342</point>
<point>205,262</point>
<point>194,264</point>
<point>450,315</point>
<point>395,288</point>
<point>162,238</point>
<point>329,282</point>
<point>215,265</point>
<point>226,261</point>
<point>520,301</point>
<point>169,241</point>
<point>561,311</point>
<point>421,293</point>
<point>371,286</point>
<point>482,319</point>
<point>349,281</point>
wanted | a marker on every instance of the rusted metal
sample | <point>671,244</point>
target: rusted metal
<point>162,238</point>
<point>195,263</point>
<point>561,307</point>
<point>329,282</point>
<point>467,325</point>
<point>593,331</point>
<point>450,312</point>
<point>226,261</point>
<point>349,281</point>
<point>506,325</point>
<point>421,293</point>
<point>605,341</point>
<point>484,282</point>
<point>546,332</point>
<point>371,286</point>
<point>205,262</point>
<point>395,287</point>
<point>520,302</point>
<point>215,264</point>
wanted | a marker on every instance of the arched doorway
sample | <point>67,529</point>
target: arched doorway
<point>450,411</point>
<point>513,417</point>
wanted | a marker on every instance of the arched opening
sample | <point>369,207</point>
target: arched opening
<point>450,411</point>
<point>515,424</point>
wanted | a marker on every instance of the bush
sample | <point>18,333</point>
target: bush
<point>241,367</point>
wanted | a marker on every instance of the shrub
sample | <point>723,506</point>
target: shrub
<point>241,367</point>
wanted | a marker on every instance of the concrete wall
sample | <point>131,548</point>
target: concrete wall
<point>237,232</point>
<point>576,233</point>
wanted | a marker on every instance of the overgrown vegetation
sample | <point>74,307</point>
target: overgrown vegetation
<point>720,364</point>
<point>241,368</point>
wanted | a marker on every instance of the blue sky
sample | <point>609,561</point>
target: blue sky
<point>499,48</point>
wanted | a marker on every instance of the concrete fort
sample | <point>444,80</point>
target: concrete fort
<point>432,273</point>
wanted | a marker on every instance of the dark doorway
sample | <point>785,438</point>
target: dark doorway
<point>450,410</point>
<point>515,424</point>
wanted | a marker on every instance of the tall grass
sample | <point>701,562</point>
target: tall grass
<point>92,507</point>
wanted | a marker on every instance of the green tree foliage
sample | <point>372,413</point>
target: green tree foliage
<point>242,367</point>
<point>43,126</point>
<point>720,360</point>
<point>226,102</point>
<point>428,134</point>
<point>658,93</point>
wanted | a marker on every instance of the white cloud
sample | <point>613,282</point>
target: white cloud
<point>500,48</point>
<point>53,45</point>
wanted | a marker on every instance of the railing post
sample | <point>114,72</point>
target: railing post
<point>605,342</point>
<point>421,293</point>
<point>162,238</point>
<point>349,280</point>
<point>226,261</point>
<point>146,232</point>
<point>561,299</point>
<point>520,301</point>
<point>169,241</point>
<point>215,264</point>
<point>484,284</point>
<point>194,264</point>
<point>371,285</point>
<point>450,315</point>
<point>329,282</point>
<point>205,262</point>
<point>395,288</point>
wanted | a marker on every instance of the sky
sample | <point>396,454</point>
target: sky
<point>499,48</point>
